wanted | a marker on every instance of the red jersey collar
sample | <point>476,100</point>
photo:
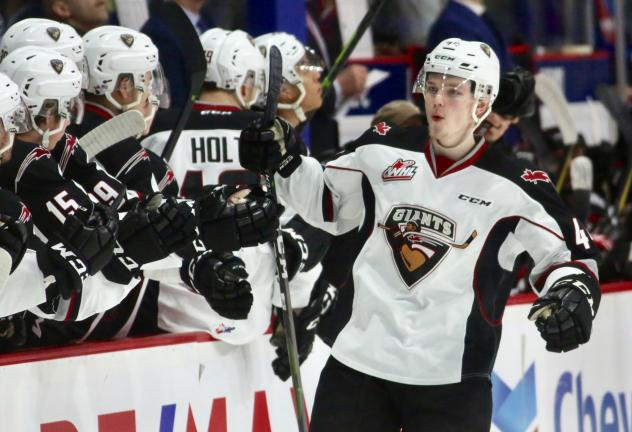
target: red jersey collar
<point>442,166</point>
<point>99,110</point>
<point>204,106</point>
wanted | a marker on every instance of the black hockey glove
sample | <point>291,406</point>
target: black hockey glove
<point>316,240</point>
<point>64,272</point>
<point>91,237</point>
<point>152,231</point>
<point>296,252</point>
<point>270,150</point>
<point>232,217</point>
<point>306,321</point>
<point>16,227</point>
<point>564,315</point>
<point>12,332</point>
<point>221,279</point>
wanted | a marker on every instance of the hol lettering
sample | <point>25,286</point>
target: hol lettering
<point>209,149</point>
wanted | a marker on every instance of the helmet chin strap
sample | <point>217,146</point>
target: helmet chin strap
<point>149,119</point>
<point>296,105</point>
<point>128,106</point>
<point>46,134</point>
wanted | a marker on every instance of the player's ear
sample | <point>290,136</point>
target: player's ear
<point>481,107</point>
<point>125,87</point>
<point>288,93</point>
<point>60,9</point>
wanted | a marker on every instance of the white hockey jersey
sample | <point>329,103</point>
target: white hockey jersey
<point>433,277</point>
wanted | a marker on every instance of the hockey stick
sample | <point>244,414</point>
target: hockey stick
<point>118,128</point>
<point>274,89</point>
<point>551,95</point>
<point>463,245</point>
<point>367,20</point>
<point>180,26</point>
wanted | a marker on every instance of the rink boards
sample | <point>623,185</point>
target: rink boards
<point>191,383</point>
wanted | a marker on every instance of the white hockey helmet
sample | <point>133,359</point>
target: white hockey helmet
<point>296,57</point>
<point>112,52</point>
<point>240,63</point>
<point>14,116</point>
<point>212,41</point>
<point>472,61</point>
<point>49,84</point>
<point>43,33</point>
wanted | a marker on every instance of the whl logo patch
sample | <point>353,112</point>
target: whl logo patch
<point>381,128</point>
<point>400,170</point>
<point>535,176</point>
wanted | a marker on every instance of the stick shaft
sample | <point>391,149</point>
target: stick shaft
<point>288,320</point>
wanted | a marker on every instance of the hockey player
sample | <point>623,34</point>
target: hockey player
<point>300,94</point>
<point>419,348</point>
<point>123,74</point>
<point>300,91</point>
<point>207,154</point>
<point>45,33</point>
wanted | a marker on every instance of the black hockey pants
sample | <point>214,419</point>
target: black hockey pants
<point>350,401</point>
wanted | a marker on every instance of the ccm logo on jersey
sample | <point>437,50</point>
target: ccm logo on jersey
<point>535,176</point>
<point>400,170</point>
<point>381,128</point>
<point>474,200</point>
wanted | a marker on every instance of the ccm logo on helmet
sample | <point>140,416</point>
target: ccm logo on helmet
<point>474,200</point>
<point>444,57</point>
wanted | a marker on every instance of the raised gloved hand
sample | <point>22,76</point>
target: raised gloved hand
<point>272,149</point>
<point>221,279</point>
<point>16,227</point>
<point>564,315</point>
<point>306,321</point>
<point>231,217</point>
<point>153,230</point>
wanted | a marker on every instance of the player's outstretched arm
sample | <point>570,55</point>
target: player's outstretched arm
<point>329,199</point>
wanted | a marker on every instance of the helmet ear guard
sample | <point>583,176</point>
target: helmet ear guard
<point>49,84</point>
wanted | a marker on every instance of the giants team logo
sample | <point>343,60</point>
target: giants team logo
<point>535,176</point>
<point>400,170</point>
<point>381,128</point>
<point>419,239</point>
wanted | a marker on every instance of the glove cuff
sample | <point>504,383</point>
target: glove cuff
<point>289,163</point>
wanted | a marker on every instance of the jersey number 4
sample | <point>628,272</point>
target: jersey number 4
<point>582,238</point>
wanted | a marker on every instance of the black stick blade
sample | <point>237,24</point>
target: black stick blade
<point>275,78</point>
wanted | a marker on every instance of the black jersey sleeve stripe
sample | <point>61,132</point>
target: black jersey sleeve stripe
<point>541,191</point>
<point>328,205</point>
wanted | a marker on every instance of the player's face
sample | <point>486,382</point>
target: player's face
<point>499,126</point>
<point>449,102</point>
<point>5,139</point>
<point>313,91</point>
<point>88,13</point>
